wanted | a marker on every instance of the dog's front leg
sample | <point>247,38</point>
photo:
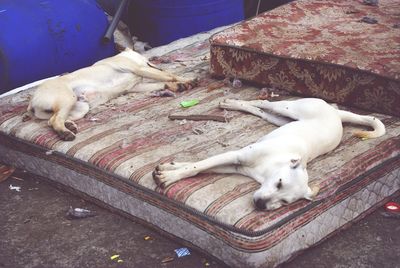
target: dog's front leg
<point>168,173</point>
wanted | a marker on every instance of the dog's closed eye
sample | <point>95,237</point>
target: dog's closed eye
<point>48,111</point>
<point>279,184</point>
<point>284,201</point>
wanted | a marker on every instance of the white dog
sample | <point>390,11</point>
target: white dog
<point>278,161</point>
<point>69,97</point>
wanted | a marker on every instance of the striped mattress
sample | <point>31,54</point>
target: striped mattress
<point>120,143</point>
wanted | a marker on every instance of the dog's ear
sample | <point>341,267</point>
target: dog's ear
<point>295,162</point>
<point>311,192</point>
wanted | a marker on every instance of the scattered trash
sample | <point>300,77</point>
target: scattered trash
<point>94,119</point>
<point>369,20</point>
<point>167,259</point>
<point>49,152</point>
<point>267,93</point>
<point>199,117</point>
<point>189,103</point>
<point>16,178</point>
<point>79,213</point>
<point>392,210</point>
<point>181,252</point>
<point>119,261</point>
<point>15,188</point>
<point>236,83</point>
<point>163,93</point>
<point>148,238</point>
<point>113,257</point>
<point>370,2</point>
<point>205,263</point>
<point>182,122</point>
<point>392,207</point>
<point>197,131</point>
<point>5,172</point>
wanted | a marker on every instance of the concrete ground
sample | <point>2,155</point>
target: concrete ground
<point>35,233</point>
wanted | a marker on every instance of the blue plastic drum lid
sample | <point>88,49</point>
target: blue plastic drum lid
<point>39,39</point>
<point>159,22</point>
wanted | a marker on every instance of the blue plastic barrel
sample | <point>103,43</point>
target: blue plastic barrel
<point>162,21</point>
<point>43,38</point>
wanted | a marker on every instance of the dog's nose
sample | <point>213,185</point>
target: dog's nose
<point>261,203</point>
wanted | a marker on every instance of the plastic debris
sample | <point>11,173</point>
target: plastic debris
<point>236,83</point>
<point>5,172</point>
<point>119,261</point>
<point>370,2</point>
<point>189,103</point>
<point>392,207</point>
<point>14,188</point>
<point>182,252</point>
<point>182,122</point>
<point>79,213</point>
<point>369,20</point>
<point>167,259</point>
<point>113,257</point>
<point>148,238</point>
<point>49,152</point>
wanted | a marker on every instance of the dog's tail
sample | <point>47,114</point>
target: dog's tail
<point>365,120</point>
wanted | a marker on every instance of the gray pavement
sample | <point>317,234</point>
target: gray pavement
<point>35,233</point>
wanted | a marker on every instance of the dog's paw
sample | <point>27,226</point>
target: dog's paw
<point>66,135</point>
<point>71,126</point>
<point>26,117</point>
<point>181,86</point>
<point>164,178</point>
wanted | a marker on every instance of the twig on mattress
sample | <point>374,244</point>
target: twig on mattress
<point>199,117</point>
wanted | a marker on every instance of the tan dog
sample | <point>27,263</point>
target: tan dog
<point>69,97</point>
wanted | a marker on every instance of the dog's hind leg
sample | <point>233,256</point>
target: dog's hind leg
<point>58,122</point>
<point>246,106</point>
<point>159,75</point>
<point>166,174</point>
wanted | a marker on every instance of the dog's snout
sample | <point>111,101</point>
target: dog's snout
<point>261,203</point>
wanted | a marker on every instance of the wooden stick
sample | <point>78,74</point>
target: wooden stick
<point>199,117</point>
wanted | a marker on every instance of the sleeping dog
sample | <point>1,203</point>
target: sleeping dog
<point>69,97</point>
<point>278,161</point>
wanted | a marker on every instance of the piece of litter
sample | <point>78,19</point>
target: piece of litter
<point>113,257</point>
<point>6,172</point>
<point>236,83</point>
<point>370,2</point>
<point>147,238</point>
<point>79,213</point>
<point>119,261</point>
<point>189,103</point>
<point>182,122</point>
<point>16,178</point>
<point>364,138</point>
<point>167,259</point>
<point>94,119</point>
<point>49,152</point>
<point>369,20</point>
<point>197,131</point>
<point>15,188</point>
<point>181,252</point>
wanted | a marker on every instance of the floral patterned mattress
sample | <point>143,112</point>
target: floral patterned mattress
<point>120,143</point>
<point>343,51</point>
